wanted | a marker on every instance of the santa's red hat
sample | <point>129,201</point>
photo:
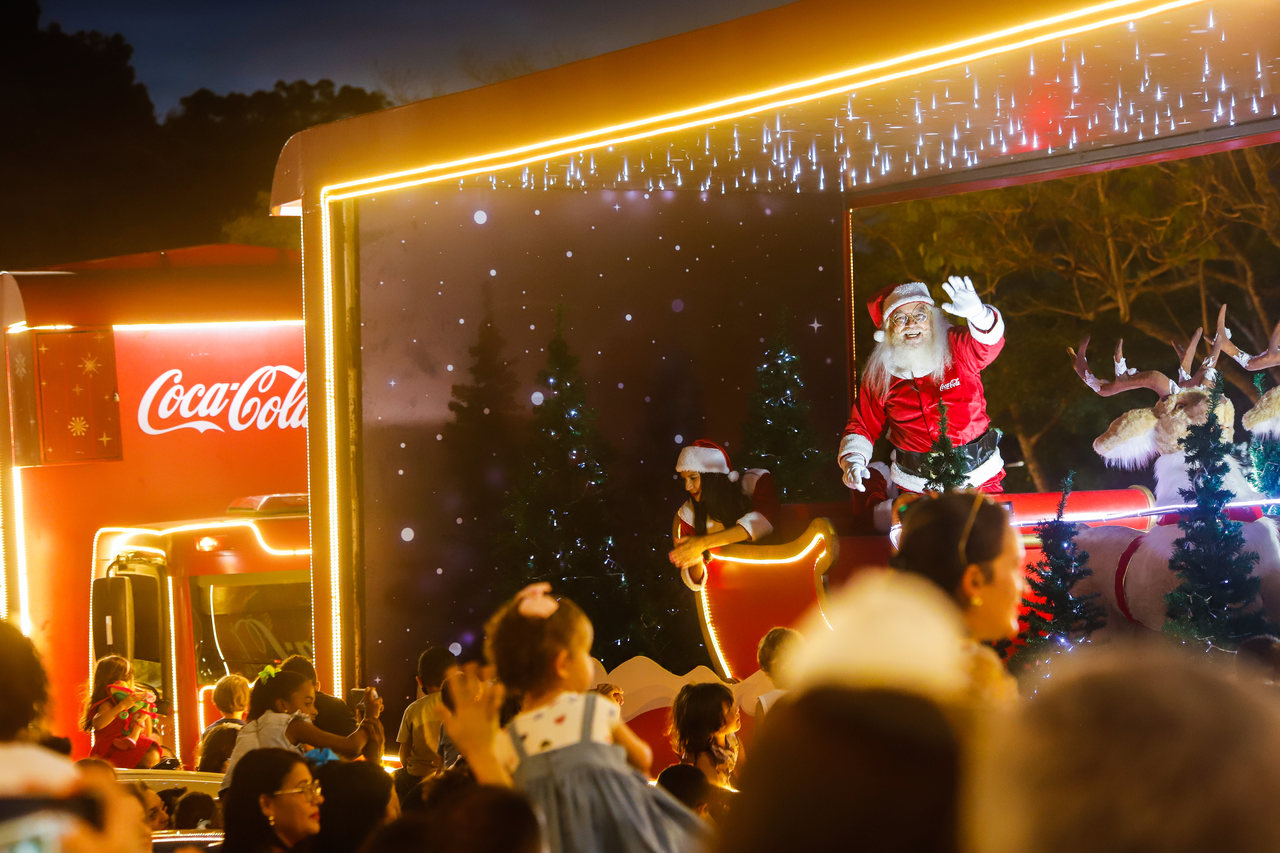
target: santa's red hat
<point>893,297</point>
<point>705,457</point>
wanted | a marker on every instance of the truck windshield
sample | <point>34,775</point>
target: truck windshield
<point>242,623</point>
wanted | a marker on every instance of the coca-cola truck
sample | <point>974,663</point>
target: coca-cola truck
<point>144,392</point>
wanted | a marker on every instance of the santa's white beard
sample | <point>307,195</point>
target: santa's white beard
<point>891,358</point>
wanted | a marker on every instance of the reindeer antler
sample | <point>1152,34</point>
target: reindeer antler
<point>1208,365</point>
<point>1270,358</point>
<point>1124,381</point>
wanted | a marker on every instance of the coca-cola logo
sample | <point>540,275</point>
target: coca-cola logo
<point>262,401</point>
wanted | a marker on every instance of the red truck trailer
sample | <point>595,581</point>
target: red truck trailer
<point>144,388</point>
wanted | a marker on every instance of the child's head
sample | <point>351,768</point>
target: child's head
<point>195,810</point>
<point>538,643</point>
<point>773,653</point>
<point>699,713</point>
<point>434,666</point>
<point>215,749</point>
<point>687,784</point>
<point>231,695</point>
<point>285,692</point>
<point>107,671</point>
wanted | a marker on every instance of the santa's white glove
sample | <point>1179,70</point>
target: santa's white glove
<point>855,470</point>
<point>965,302</point>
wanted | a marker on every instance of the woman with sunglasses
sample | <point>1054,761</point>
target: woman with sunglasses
<point>272,805</point>
<point>965,543</point>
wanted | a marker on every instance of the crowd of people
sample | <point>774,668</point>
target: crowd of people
<point>892,727</point>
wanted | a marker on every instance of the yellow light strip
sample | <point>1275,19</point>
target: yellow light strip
<point>213,626</point>
<point>200,703</point>
<point>20,545</point>
<point>147,327</point>
<point>331,448</point>
<point>173,669</point>
<point>550,149</point>
<point>211,525</point>
<point>774,561</point>
<point>21,326</point>
<point>843,76</point>
<point>6,468</point>
<point>705,605</point>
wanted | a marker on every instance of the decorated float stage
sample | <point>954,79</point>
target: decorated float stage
<point>658,205</point>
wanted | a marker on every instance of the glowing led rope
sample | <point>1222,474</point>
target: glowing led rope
<point>774,561</point>
<point>200,703</point>
<point>20,545</point>
<point>173,665</point>
<point>331,448</point>
<point>209,525</point>
<point>213,621</point>
<point>539,151</point>
<point>842,76</point>
<point>705,606</point>
<point>212,324</point>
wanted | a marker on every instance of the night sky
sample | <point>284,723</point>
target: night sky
<point>668,299</point>
<point>409,48</point>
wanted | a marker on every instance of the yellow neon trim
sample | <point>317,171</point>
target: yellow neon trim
<point>20,545</point>
<point>773,561</point>
<point>147,327</point>
<point>711,628</point>
<point>331,448</point>
<point>213,626</point>
<point>5,468</point>
<point>200,717</point>
<point>534,152</point>
<point>21,326</point>
<point>187,528</point>
<point>173,669</point>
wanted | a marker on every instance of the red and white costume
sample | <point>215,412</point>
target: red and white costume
<point>757,484</point>
<point>910,411</point>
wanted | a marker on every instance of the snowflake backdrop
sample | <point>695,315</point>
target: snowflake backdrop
<point>668,300</point>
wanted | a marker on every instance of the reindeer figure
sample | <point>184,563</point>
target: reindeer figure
<point>1131,568</point>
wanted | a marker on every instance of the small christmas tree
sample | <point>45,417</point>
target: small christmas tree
<point>943,467</point>
<point>778,432</point>
<point>559,522</point>
<point>1056,618</point>
<point>1212,604</point>
<point>1264,456</point>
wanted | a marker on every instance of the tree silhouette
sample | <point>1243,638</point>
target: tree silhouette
<point>559,526</point>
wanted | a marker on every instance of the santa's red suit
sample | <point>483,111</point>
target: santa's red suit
<point>910,411</point>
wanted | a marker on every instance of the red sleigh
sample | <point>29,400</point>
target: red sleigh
<point>749,589</point>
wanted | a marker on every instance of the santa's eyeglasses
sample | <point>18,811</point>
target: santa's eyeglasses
<point>901,319</point>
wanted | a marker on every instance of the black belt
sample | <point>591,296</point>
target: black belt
<point>972,455</point>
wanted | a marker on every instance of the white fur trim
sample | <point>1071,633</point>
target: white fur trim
<point>696,587</point>
<point>1171,477</point>
<point>854,445</point>
<point>882,515</point>
<point>991,335</point>
<point>879,336</point>
<point>703,460</point>
<point>976,477</point>
<point>905,294</point>
<point>685,512</point>
<point>756,525</point>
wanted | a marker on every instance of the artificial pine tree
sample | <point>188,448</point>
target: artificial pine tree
<point>1264,454</point>
<point>482,439</point>
<point>943,467</point>
<point>1213,604</point>
<point>559,526</point>
<point>778,433</point>
<point>1058,619</point>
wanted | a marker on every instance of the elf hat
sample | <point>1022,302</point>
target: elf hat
<point>893,297</point>
<point>705,457</point>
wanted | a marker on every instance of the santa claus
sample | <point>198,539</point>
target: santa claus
<point>920,364</point>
